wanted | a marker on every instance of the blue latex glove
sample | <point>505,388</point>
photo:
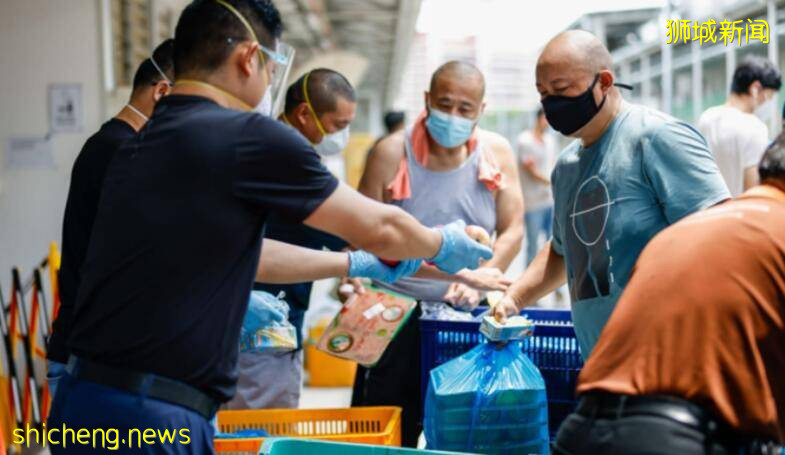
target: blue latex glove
<point>364,264</point>
<point>264,309</point>
<point>458,250</point>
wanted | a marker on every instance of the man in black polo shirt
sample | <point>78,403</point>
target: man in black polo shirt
<point>151,82</point>
<point>178,232</point>
<point>274,380</point>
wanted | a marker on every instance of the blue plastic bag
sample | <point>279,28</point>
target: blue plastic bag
<point>265,326</point>
<point>489,400</point>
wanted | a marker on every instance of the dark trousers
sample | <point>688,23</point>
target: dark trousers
<point>395,380</point>
<point>651,424</point>
<point>86,405</point>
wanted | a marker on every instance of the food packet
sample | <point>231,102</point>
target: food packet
<point>365,326</point>
<point>266,327</point>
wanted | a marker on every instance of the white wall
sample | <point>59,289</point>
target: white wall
<point>42,42</point>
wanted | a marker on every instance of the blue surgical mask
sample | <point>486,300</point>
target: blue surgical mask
<point>448,130</point>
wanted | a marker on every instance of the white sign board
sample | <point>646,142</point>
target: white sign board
<point>29,153</point>
<point>66,113</point>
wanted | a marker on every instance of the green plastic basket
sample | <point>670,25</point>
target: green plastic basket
<point>288,446</point>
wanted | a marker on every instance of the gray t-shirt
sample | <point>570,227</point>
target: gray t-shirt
<point>536,195</point>
<point>645,173</point>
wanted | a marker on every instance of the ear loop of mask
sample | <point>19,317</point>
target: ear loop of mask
<point>158,68</point>
<point>310,106</point>
<point>137,112</point>
<point>248,27</point>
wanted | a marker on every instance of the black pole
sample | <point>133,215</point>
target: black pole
<point>13,376</point>
<point>43,312</point>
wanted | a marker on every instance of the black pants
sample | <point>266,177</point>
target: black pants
<point>634,434</point>
<point>395,380</point>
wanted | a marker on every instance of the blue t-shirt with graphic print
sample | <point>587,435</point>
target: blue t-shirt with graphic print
<point>646,172</point>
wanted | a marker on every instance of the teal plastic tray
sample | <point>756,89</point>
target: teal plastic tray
<point>287,446</point>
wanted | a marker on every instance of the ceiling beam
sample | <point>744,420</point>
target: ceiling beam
<point>311,23</point>
<point>362,14</point>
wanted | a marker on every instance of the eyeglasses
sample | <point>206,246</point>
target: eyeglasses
<point>280,58</point>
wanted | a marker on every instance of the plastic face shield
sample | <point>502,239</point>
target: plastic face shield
<point>279,63</point>
<point>275,62</point>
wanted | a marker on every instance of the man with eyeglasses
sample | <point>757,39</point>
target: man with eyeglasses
<point>177,239</point>
<point>631,172</point>
<point>152,82</point>
<point>442,168</point>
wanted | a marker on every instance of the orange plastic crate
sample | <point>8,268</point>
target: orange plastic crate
<point>364,425</point>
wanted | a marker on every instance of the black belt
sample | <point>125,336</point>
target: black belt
<point>614,406</point>
<point>144,384</point>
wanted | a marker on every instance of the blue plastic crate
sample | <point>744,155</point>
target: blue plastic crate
<point>553,348</point>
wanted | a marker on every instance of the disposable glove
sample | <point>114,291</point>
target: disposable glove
<point>264,309</point>
<point>364,264</point>
<point>458,250</point>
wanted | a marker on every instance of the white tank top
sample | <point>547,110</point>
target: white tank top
<point>439,198</point>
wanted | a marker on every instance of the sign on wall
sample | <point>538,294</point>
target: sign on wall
<point>29,153</point>
<point>66,113</point>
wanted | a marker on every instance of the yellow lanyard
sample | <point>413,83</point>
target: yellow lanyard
<point>310,106</point>
<point>213,88</point>
<point>248,27</point>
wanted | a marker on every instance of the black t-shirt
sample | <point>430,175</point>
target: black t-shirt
<point>176,241</point>
<point>87,176</point>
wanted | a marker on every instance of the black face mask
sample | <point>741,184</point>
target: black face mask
<point>568,114</point>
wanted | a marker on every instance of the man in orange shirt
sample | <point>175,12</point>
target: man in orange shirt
<point>692,358</point>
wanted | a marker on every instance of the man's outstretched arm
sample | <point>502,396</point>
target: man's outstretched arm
<point>545,274</point>
<point>389,232</point>
<point>283,263</point>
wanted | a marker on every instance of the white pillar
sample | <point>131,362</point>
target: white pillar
<point>666,65</point>
<point>625,71</point>
<point>153,9</point>
<point>730,65</point>
<point>697,81</point>
<point>645,78</point>
<point>667,78</point>
<point>107,62</point>
<point>775,117</point>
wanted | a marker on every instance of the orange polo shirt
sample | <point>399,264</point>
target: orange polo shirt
<point>703,317</point>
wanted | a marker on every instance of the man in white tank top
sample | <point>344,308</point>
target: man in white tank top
<point>441,169</point>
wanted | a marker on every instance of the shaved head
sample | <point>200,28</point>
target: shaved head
<point>460,72</point>
<point>580,49</point>
<point>457,88</point>
<point>575,65</point>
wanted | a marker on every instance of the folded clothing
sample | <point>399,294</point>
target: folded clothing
<point>442,311</point>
